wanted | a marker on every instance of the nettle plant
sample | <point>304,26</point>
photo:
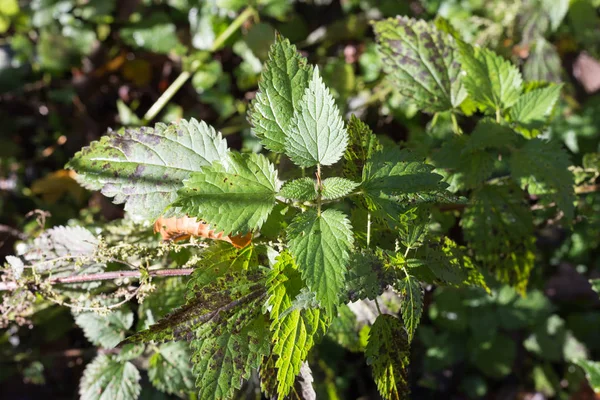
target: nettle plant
<point>356,220</point>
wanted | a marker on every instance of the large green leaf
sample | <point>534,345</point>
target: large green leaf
<point>105,378</point>
<point>317,133</point>
<point>542,168</point>
<point>223,360</point>
<point>423,62</point>
<point>170,369</point>
<point>234,198</point>
<point>388,354</point>
<point>320,245</point>
<point>284,79</point>
<point>144,167</point>
<point>296,331</point>
<point>105,330</point>
<point>492,82</point>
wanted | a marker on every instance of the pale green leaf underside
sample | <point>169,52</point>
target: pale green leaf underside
<point>105,378</point>
<point>595,285</point>
<point>533,107</point>
<point>144,167</point>
<point>321,245</point>
<point>492,81</point>
<point>105,330</point>
<point>335,188</point>
<point>170,369</point>
<point>234,199</point>
<point>317,133</point>
<point>283,81</point>
<point>303,189</point>
<point>387,352</point>
<point>422,61</point>
<point>294,333</point>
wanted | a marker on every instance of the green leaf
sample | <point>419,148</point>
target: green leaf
<point>542,168</point>
<point>107,379</point>
<point>335,188</point>
<point>509,251</point>
<point>495,358</point>
<point>234,198</point>
<point>362,144</point>
<point>423,62</point>
<point>533,108</point>
<point>321,245</point>
<point>170,369</point>
<point>105,330</point>
<point>317,134</point>
<point>592,373</point>
<point>155,33</point>
<point>303,189</point>
<point>392,174</point>
<point>222,361</point>
<point>490,135</point>
<point>344,329</point>
<point>145,167</point>
<point>231,300</point>
<point>294,333</point>
<point>284,79</point>
<point>412,303</point>
<point>388,354</point>
<point>492,82</point>
<point>367,276</point>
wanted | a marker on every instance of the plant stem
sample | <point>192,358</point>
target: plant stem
<point>103,276</point>
<point>455,126</point>
<point>368,228</point>
<point>319,190</point>
<point>377,305</point>
<point>497,115</point>
<point>185,75</point>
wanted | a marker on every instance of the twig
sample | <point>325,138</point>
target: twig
<point>104,276</point>
<point>587,189</point>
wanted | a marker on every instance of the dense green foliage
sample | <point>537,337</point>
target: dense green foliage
<point>423,263</point>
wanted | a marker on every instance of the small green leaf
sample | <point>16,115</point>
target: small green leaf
<point>295,332</point>
<point>367,277</point>
<point>592,372</point>
<point>170,369</point>
<point>303,189</point>
<point>105,330</point>
<point>234,198</point>
<point>362,144</point>
<point>321,246</point>
<point>423,62</point>
<point>388,354</point>
<point>542,168</point>
<point>412,303</point>
<point>144,167</point>
<point>317,129</point>
<point>284,79</point>
<point>105,378</point>
<point>533,108</point>
<point>335,188</point>
<point>492,82</point>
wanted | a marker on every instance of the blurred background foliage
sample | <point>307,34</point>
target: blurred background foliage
<point>71,69</point>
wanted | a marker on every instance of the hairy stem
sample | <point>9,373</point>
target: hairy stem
<point>319,190</point>
<point>368,228</point>
<point>185,75</point>
<point>104,276</point>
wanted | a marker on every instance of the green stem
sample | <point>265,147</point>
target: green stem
<point>497,115</point>
<point>377,305</point>
<point>185,75</point>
